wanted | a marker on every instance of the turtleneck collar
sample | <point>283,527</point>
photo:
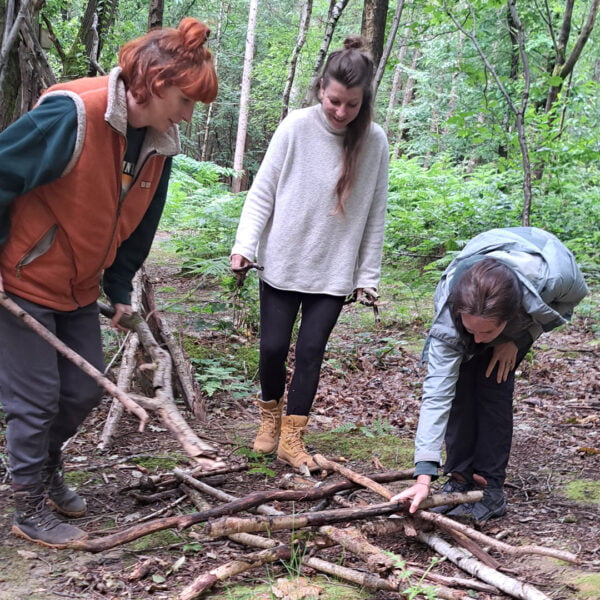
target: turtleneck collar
<point>325,121</point>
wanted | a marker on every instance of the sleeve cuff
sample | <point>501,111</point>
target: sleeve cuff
<point>426,467</point>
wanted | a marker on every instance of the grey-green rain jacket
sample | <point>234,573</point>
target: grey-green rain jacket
<point>552,286</point>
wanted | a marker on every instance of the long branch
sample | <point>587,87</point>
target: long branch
<point>12,307</point>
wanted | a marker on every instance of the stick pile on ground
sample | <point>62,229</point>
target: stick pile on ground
<point>310,525</point>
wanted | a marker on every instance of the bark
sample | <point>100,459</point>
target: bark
<point>373,26</point>
<point>388,47</point>
<point>215,47</point>
<point>184,375</point>
<point>445,523</point>
<point>255,500</point>
<point>564,66</point>
<point>155,14</point>
<point>240,142</point>
<point>369,483</point>
<point>305,14</point>
<point>336,8</point>
<point>227,525</point>
<point>354,541</point>
<point>407,98</point>
<point>396,86</point>
<point>512,587</point>
<point>251,561</point>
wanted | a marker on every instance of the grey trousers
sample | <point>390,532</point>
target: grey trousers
<point>45,396</point>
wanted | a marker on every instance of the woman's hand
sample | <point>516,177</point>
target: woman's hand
<point>367,296</point>
<point>120,310</point>
<point>239,265</point>
<point>414,494</point>
<point>505,356</point>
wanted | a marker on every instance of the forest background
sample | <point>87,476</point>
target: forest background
<point>491,108</point>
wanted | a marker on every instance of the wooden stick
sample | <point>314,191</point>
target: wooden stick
<point>75,358</point>
<point>125,372</point>
<point>255,559</point>
<point>371,484</point>
<point>510,586</point>
<point>473,566</point>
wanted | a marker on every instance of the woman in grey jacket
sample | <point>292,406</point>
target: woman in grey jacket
<point>503,290</point>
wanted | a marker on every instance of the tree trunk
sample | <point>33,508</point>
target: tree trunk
<point>335,12</point>
<point>373,26</point>
<point>155,14</point>
<point>300,41</point>
<point>240,142</point>
<point>24,68</point>
<point>396,87</point>
<point>388,47</point>
<point>223,11</point>
<point>409,90</point>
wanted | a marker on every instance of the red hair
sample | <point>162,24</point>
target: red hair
<point>170,57</point>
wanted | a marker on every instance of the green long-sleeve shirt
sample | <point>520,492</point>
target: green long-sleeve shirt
<point>35,150</point>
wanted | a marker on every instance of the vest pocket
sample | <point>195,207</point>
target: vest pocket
<point>39,249</point>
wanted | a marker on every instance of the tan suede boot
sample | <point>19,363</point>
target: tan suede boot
<point>270,426</point>
<point>291,448</point>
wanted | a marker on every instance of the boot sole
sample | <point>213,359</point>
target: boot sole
<point>287,462</point>
<point>16,531</point>
<point>72,514</point>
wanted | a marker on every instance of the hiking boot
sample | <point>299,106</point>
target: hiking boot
<point>35,521</point>
<point>291,449</point>
<point>270,426</point>
<point>454,484</point>
<point>491,506</point>
<point>61,497</point>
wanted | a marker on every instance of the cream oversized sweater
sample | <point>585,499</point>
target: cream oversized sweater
<point>288,222</point>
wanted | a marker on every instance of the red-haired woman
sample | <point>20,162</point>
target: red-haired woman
<point>502,291</point>
<point>314,217</point>
<point>83,181</point>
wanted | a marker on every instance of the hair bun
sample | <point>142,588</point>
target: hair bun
<point>354,42</point>
<point>193,32</point>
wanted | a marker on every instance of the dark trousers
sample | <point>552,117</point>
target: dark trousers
<point>480,425</point>
<point>45,396</point>
<point>278,312</point>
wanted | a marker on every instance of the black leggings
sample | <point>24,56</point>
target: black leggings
<point>278,312</point>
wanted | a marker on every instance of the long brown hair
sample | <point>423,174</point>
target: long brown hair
<point>351,67</point>
<point>489,289</point>
<point>170,57</point>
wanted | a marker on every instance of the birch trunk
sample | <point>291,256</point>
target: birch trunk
<point>335,12</point>
<point>306,11</point>
<point>240,142</point>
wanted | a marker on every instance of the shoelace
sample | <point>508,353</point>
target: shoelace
<point>45,518</point>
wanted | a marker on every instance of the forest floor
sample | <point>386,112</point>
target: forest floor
<point>365,413</point>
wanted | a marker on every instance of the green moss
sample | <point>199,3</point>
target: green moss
<point>247,359</point>
<point>158,463</point>
<point>583,490</point>
<point>158,539</point>
<point>195,350</point>
<point>588,586</point>
<point>392,451</point>
<point>331,591</point>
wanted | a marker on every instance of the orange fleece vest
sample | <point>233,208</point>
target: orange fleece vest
<point>64,234</point>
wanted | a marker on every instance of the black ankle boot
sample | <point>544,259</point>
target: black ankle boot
<point>35,521</point>
<point>61,497</point>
